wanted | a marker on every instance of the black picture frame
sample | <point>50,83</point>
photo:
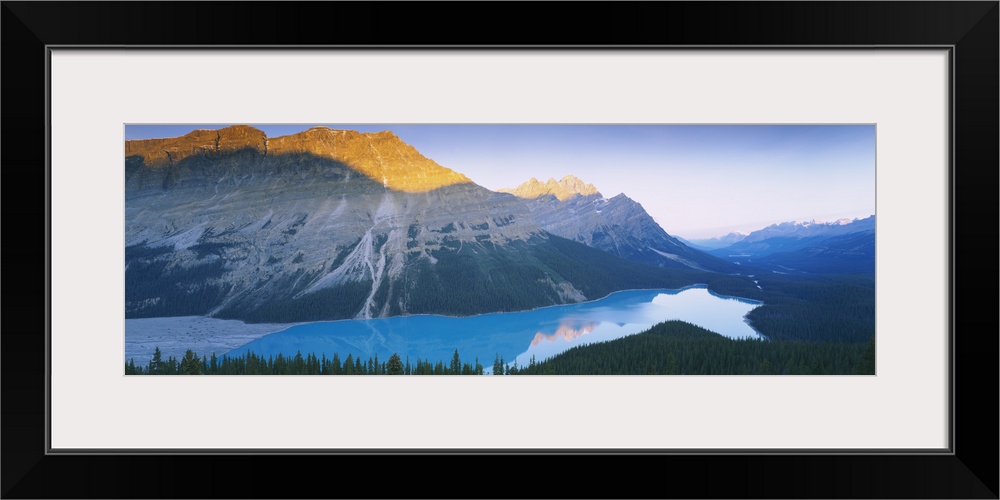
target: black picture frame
<point>969,28</point>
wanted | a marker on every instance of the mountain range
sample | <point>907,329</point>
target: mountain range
<point>843,246</point>
<point>333,224</point>
<point>618,225</point>
<point>713,243</point>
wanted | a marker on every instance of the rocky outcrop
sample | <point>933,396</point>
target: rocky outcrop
<point>566,188</point>
<point>381,156</point>
<point>156,153</point>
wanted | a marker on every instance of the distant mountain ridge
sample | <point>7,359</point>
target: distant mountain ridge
<point>789,236</point>
<point>812,228</point>
<point>717,242</point>
<point>842,254</point>
<point>841,246</point>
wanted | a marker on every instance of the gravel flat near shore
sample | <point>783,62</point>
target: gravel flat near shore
<point>204,335</point>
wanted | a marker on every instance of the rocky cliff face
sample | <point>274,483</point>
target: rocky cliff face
<point>619,225</point>
<point>165,152</point>
<point>564,189</point>
<point>331,224</point>
<point>381,156</point>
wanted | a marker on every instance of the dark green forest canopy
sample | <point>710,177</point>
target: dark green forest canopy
<point>679,348</point>
<point>669,348</point>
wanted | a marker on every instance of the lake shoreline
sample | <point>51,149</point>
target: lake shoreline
<point>206,335</point>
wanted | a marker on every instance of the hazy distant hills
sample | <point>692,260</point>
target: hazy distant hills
<point>843,246</point>
<point>575,210</point>
<point>714,243</point>
<point>845,254</point>
<point>331,224</point>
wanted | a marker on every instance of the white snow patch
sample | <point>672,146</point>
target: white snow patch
<point>186,239</point>
<point>665,254</point>
<point>678,258</point>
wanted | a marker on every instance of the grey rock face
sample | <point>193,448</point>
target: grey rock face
<point>618,225</point>
<point>254,228</point>
<point>568,187</point>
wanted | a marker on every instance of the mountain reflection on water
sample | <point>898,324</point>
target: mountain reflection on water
<point>541,333</point>
<point>565,332</point>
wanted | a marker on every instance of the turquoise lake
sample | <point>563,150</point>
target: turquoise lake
<point>541,333</point>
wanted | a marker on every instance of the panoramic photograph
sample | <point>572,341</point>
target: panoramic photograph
<point>399,249</point>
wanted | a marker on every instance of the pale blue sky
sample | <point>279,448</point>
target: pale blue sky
<point>696,180</point>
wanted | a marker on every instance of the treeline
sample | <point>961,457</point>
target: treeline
<point>466,283</point>
<point>521,275</point>
<point>818,309</point>
<point>669,348</point>
<point>679,348</point>
<point>342,301</point>
<point>155,288</point>
<point>254,364</point>
<point>807,308</point>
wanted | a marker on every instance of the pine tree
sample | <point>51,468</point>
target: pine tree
<point>190,364</point>
<point>171,367</point>
<point>156,364</point>
<point>395,365</point>
<point>298,365</point>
